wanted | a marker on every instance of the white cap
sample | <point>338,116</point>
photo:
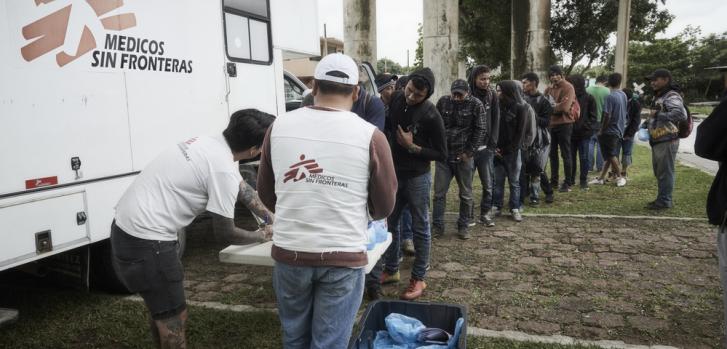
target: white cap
<point>337,67</point>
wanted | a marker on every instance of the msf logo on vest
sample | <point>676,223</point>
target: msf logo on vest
<point>302,169</point>
<point>49,33</point>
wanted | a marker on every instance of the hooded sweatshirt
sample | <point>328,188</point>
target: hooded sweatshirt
<point>712,144</point>
<point>489,100</point>
<point>424,121</point>
<point>514,114</point>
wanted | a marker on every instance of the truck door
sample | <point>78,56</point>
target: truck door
<point>249,52</point>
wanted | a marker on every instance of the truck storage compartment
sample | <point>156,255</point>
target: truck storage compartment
<point>41,226</point>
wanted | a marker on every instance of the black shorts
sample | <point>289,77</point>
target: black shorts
<point>152,269</point>
<point>609,145</point>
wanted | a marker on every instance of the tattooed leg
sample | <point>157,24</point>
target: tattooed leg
<point>171,331</point>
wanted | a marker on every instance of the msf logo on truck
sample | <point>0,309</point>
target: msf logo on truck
<point>49,32</point>
<point>118,52</point>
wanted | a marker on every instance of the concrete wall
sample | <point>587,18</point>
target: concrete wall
<point>359,30</point>
<point>441,44</point>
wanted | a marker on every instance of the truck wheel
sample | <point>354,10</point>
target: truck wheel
<point>103,275</point>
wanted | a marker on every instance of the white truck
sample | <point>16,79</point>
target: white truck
<point>91,91</point>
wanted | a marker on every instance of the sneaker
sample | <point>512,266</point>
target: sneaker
<point>407,246</point>
<point>437,232</point>
<point>584,186</point>
<point>471,223</point>
<point>549,198</point>
<point>597,180</point>
<point>657,206</point>
<point>534,202</point>
<point>564,188</point>
<point>620,182</point>
<point>516,216</point>
<point>374,294</point>
<point>414,290</point>
<point>487,221</point>
<point>463,234</point>
<point>387,278</point>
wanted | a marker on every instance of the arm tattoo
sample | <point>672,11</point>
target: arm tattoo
<point>248,196</point>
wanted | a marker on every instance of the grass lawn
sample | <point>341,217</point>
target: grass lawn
<point>704,110</point>
<point>62,318</point>
<point>690,193</point>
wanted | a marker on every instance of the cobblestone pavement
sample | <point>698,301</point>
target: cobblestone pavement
<point>639,281</point>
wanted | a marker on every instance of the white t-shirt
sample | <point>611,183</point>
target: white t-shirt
<point>182,182</point>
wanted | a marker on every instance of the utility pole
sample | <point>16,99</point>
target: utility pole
<point>325,41</point>
<point>359,30</point>
<point>622,39</point>
<point>407,60</point>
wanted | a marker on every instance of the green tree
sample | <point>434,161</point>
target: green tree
<point>386,65</point>
<point>419,54</point>
<point>579,29</point>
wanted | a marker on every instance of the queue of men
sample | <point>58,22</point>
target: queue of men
<point>349,157</point>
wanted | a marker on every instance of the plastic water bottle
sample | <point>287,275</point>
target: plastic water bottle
<point>371,234</point>
<point>643,134</point>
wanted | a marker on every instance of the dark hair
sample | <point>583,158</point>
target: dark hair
<point>554,70</point>
<point>419,83</point>
<point>247,129</point>
<point>579,84</point>
<point>601,79</point>
<point>614,80</point>
<point>401,83</point>
<point>334,88</point>
<point>629,93</point>
<point>532,77</point>
<point>484,68</point>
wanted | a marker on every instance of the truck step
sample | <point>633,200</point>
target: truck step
<point>8,316</point>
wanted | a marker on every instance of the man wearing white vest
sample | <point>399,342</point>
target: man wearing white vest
<point>324,172</point>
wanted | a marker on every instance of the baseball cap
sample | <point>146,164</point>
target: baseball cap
<point>460,86</point>
<point>337,67</point>
<point>659,73</point>
<point>385,80</point>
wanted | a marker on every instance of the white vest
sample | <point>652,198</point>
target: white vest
<point>321,164</point>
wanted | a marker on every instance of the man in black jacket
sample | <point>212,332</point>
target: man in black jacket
<point>633,120</point>
<point>479,81</point>
<point>420,138</point>
<point>464,121</point>
<point>535,176</point>
<point>583,129</point>
<point>711,143</point>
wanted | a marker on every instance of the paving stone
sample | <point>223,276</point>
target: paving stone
<point>565,261</point>
<point>607,263</point>
<point>458,293</point>
<point>207,286</point>
<point>546,253</point>
<point>570,280</point>
<point>487,252</point>
<point>575,304</point>
<point>206,296</point>
<point>189,283</point>
<point>236,278</point>
<point>436,274</point>
<point>621,307</point>
<point>579,331</point>
<point>603,320</point>
<point>499,276</point>
<point>604,241</point>
<point>695,253</point>
<point>538,327</point>
<point>504,234</point>
<point>230,288</point>
<point>562,247</point>
<point>532,260</point>
<point>451,266</point>
<point>561,316</point>
<point>530,246</point>
<point>614,256</point>
<point>495,323</point>
<point>463,275</point>
<point>648,324</point>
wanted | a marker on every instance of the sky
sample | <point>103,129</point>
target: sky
<point>397,22</point>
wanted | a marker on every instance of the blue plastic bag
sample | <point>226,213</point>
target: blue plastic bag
<point>384,341</point>
<point>643,134</point>
<point>403,329</point>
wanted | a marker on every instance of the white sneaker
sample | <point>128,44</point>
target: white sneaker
<point>620,182</point>
<point>596,180</point>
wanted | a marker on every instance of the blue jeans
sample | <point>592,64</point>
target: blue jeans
<point>406,233</point>
<point>317,305</point>
<point>509,165</point>
<point>626,148</point>
<point>484,166</point>
<point>581,147</point>
<point>414,193</point>
<point>598,158</point>
<point>463,173</point>
<point>663,158</point>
